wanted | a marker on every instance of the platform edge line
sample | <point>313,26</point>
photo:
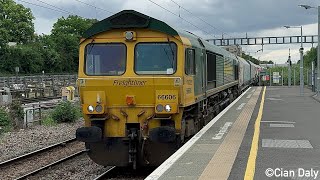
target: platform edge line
<point>251,165</point>
<point>156,174</point>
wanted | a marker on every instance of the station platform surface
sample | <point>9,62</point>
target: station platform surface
<point>266,133</point>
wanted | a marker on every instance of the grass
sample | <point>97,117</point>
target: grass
<point>3,130</point>
<point>5,122</point>
<point>48,121</point>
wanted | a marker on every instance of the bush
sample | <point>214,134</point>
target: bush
<point>5,123</point>
<point>65,112</point>
<point>16,114</point>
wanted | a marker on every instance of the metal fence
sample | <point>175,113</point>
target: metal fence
<point>35,112</point>
<point>310,77</point>
<point>37,86</point>
<point>312,80</point>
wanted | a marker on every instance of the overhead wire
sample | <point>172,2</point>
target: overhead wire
<point>217,29</point>
<point>56,7</point>
<point>223,33</point>
<point>43,6</point>
<point>178,16</point>
<point>60,10</point>
<point>95,6</point>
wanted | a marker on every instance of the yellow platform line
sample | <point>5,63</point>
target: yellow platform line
<point>223,159</point>
<point>251,165</point>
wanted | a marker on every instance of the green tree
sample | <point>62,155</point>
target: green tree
<point>15,23</point>
<point>310,56</point>
<point>270,62</point>
<point>72,25</point>
<point>254,60</point>
<point>27,57</point>
<point>51,58</point>
<point>54,53</point>
<point>250,58</point>
<point>66,34</point>
<point>15,26</point>
<point>266,62</point>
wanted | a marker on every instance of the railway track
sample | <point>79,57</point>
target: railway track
<point>114,172</point>
<point>50,165</point>
<point>34,162</point>
<point>107,173</point>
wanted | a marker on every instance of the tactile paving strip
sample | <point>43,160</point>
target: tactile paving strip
<point>277,143</point>
<point>281,125</point>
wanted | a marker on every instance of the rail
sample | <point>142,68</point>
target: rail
<point>22,157</point>
<point>52,164</point>
<point>104,174</point>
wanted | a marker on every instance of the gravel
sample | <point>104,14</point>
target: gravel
<point>16,143</point>
<point>30,164</point>
<point>81,167</point>
<point>13,144</point>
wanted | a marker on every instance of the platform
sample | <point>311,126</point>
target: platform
<point>266,133</point>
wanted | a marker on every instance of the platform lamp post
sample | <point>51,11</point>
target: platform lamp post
<point>318,52</point>
<point>301,59</point>
<point>289,69</point>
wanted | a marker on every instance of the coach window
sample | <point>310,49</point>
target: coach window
<point>190,62</point>
<point>105,59</point>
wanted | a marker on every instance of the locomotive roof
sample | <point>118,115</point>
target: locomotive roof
<point>129,19</point>
<point>133,19</point>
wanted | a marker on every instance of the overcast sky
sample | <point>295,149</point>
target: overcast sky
<point>234,18</point>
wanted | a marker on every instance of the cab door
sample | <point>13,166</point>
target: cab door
<point>200,75</point>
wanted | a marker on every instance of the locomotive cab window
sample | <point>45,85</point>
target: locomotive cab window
<point>155,58</point>
<point>190,67</point>
<point>105,59</point>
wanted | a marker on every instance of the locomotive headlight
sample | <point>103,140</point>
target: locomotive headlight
<point>99,108</point>
<point>90,109</point>
<point>129,35</point>
<point>167,108</point>
<point>159,108</point>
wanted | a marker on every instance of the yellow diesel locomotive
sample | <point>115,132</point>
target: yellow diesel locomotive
<point>146,87</point>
